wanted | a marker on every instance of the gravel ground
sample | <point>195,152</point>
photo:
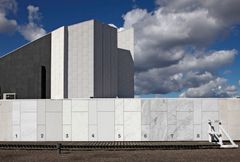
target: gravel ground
<point>225,155</point>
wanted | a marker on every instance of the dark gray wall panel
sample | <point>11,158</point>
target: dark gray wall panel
<point>125,74</point>
<point>20,71</point>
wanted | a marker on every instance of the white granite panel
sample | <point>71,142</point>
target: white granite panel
<point>54,126</point>
<point>206,116</point>
<point>146,115</point>
<point>132,104</point>
<point>28,105</point>
<point>106,126</point>
<point>6,126</point>
<point>234,132</point>
<point>119,111</point>
<point>158,104</point>
<point>105,105</point>
<point>158,126</point>
<point>6,106</point>
<point>92,112</point>
<point>54,105</point>
<point>41,132</point>
<point>29,126</point>
<point>79,105</point>
<point>93,133</point>
<point>184,126</point>
<point>184,105</point>
<point>41,109</point>
<point>16,135</point>
<point>132,126</point>
<point>197,111</point>
<point>16,113</point>
<point>197,132</point>
<point>80,126</point>
<point>67,112</point>
<point>233,104</point>
<point>234,118</point>
<point>67,132</point>
<point>210,104</point>
<point>119,133</point>
<point>172,112</point>
<point>223,111</point>
<point>145,132</point>
<point>172,132</point>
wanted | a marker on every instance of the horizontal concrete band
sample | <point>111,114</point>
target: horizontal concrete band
<point>116,119</point>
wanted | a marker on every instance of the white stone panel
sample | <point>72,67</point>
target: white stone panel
<point>145,132</point>
<point>57,63</point>
<point>184,126</point>
<point>54,105</point>
<point>209,104</point>
<point>67,112</point>
<point>197,132</point>
<point>158,126</point>
<point>146,112</point>
<point>79,105</point>
<point>54,126</point>
<point>172,132</point>
<point>16,112</point>
<point>119,111</point>
<point>119,133</point>
<point>16,136</point>
<point>93,133</point>
<point>67,132</point>
<point>197,111</point>
<point>29,126</point>
<point>223,111</point>
<point>28,105</point>
<point>233,104</point>
<point>41,110</point>
<point>132,126</point>
<point>79,126</point>
<point>106,126</point>
<point>105,105</point>
<point>206,116</point>
<point>6,126</point>
<point>132,104</point>
<point>41,132</point>
<point>184,105</point>
<point>172,112</point>
<point>158,105</point>
<point>92,112</point>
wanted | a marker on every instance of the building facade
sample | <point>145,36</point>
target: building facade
<point>83,60</point>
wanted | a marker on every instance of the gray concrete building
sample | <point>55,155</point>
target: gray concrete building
<point>88,59</point>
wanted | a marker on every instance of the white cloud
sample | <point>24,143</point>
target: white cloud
<point>33,30</point>
<point>6,24</point>
<point>171,43</point>
<point>215,88</point>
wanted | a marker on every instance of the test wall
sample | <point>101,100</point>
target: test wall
<point>116,119</point>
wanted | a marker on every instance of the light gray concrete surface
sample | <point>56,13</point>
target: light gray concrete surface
<point>116,119</point>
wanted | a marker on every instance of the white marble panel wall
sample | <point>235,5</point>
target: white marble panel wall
<point>185,126</point>
<point>16,118</point>
<point>28,120</point>
<point>106,126</point>
<point>172,132</point>
<point>146,111</point>
<point>145,133</point>
<point>79,126</point>
<point>119,133</point>
<point>158,105</point>
<point>92,112</point>
<point>158,126</point>
<point>172,112</point>
<point>5,121</point>
<point>119,111</point>
<point>93,133</point>
<point>41,120</point>
<point>132,105</point>
<point>80,104</point>
<point>132,126</point>
<point>67,120</point>
<point>105,105</point>
<point>54,120</point>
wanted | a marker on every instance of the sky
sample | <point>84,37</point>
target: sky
<point>183,48</point>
